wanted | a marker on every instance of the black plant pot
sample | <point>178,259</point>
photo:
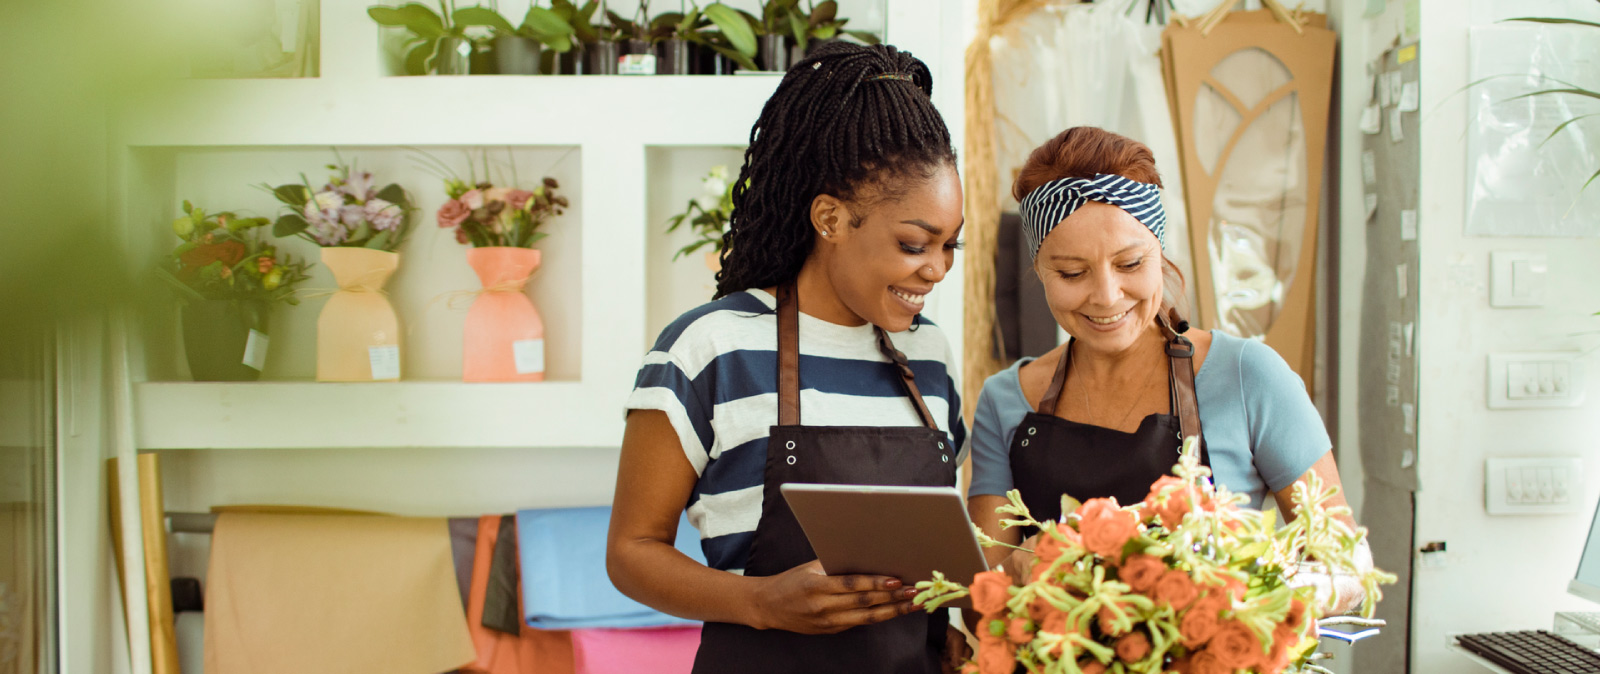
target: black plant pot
<point>673,57</point>
<point>215,334</point>
<point>774,52</point>
<point>516,55</point>
<point>706,61</point>
<point>482,61</point>
<point>574,61</point>
<point>601,57</point>
<point>453,56</point>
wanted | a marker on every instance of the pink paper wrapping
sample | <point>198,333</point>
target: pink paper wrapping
<point>502,319</point>
<point>665,650</point>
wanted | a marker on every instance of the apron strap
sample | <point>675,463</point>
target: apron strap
<point>907,377</point>
<point>1180,353</point>
<point>1058,382</point>
<point>788,356</point>
<point>789,363</point>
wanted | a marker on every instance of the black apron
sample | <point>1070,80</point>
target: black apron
<point>899,456</point>
<point>1051,456</point>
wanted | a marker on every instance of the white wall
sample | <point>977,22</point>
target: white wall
<point>1500,573</point>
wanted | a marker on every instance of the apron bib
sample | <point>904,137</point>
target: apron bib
<point>899,456</point>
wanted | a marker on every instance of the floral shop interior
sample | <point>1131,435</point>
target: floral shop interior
<point>354,337</point>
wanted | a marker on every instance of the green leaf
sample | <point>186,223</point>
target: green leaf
<point>1590,181</point>
<point>866,37</point>
<point>824,12</point>
<point>798,28</point>
<point>735,56</point>
<point>394,194</point>
<point>381,240</point>
<point>583,22</point>
<point>825,32</point>
<point>417,59</point>
<point>1563,125</point>
<point>736,29</point>
<point>292,194</point>
<point>417,18</point>
<point>1540,19</point>
<point>187,207</point>
<point>289,225</point>
<point>482,16</point>
<point>1542,92</point>
<point>549,28</point>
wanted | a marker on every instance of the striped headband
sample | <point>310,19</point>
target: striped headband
<point>1052,202</point>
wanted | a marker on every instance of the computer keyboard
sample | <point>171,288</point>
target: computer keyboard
<point>1589,621</point>
<point>1532,652</point>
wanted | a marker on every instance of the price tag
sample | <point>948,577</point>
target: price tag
<point>385,362</point>
<point>255,350</point>
<point>636,64</point>
<point>529,355</point>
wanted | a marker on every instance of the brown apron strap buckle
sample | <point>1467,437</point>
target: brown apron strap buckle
<point>1180,347</point>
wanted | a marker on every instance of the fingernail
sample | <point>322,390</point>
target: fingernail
<point>909,592</point>
<point>893,583</point>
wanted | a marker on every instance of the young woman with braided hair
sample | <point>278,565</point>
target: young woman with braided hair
<point>847,211</point>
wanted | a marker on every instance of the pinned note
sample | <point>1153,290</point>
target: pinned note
<point>1396,133</point>
<point>1410,97</point>
<point>1408,225</point>
<point>1372,120</point>
<point>1369,167</point>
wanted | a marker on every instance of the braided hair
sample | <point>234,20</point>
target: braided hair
<point>846,118</point>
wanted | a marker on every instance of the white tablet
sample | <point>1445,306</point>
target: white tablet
<point>904,532</point>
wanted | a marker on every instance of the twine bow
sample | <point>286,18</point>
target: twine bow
<point>451,298</point>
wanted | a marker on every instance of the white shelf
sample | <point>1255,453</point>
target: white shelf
<point>448,110</point>
<point>312,415</point>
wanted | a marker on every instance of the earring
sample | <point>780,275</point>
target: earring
<point>824,232</point>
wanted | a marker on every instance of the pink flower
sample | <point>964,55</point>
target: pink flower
<point>495,194</point>
<point>453,213</point>
<point>473,198</point>
<point>518,199</point>
<point>358,186</point>
<point>1106,527</point>
<point>382,214</point>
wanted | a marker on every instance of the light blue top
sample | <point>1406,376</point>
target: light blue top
<point>1260,428</point>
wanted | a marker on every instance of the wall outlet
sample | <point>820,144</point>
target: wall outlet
<point>1539,486</point>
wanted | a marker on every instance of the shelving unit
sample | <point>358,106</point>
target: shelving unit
<point>629,152</point>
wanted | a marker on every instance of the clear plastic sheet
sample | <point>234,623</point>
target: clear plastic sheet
<point>1518,183</point>
<point>1259,210</point>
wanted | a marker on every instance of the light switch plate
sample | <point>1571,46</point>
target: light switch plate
<point>1532,380</point>
<point>1533,486</point>
<point>1517,278</point>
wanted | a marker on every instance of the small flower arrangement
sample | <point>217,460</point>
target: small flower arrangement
<point>1185,581</point>
<point>347,211</point>
<point>707,214</point>
<point>223,258</point>
<point>484,215</point>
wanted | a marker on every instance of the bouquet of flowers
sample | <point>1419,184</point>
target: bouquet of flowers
<point>484,215</point>
<point>707,214</point>
<point>222,258</point>
<point>347,211</point>
<point>1186,581</point>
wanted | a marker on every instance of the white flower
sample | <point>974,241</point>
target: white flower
<point>715,187</point>
<point>719,172</point>
<point>708,202</point>
<point>328,200</point>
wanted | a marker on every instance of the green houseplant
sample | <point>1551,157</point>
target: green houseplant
<point>1566,88</point>
<point>517,49</point>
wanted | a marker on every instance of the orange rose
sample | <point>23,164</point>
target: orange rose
<point>1091,667</point>
<point>995,656</point>
<point>1049,548</point>
<point>1141,572</point>
<point>970,668</point>
<point>1055,622</point>
<point>1297,619</point>
<point>1017,631</point>
<point>1201,622</point>
<point>1180,666</point>
<point>1175,589</point>
<point>1206,662</point>
<point>1236,646</point>
<point>1277,659</point>
<point>1133,646</point>
<point>1107,622</point>
<point>1106,527</point>
<point>1038,609</point>
<point>990,592</point>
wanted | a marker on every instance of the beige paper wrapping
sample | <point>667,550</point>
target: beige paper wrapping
<point>333,594</point>
<point>358,316</point>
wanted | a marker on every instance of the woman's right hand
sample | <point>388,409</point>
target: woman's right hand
<point>808,601</point>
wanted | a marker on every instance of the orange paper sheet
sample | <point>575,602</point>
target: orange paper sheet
<point>534,651</point>
<point>332,593</point>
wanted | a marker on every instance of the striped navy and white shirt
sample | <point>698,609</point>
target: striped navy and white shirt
<point>713,372</point>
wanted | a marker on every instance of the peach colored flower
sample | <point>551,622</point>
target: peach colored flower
<point>453,213</point>
<point>1017,631</point>
<point>1038,609</point>
<point>1055,622</point>
<point>1107,622</point>
<point>1180,666</point>
<point>1277,660</point>
<point>1133,646</point>
<point>995,655</point>
<point>1049,548</point>
<point>473,198</point>
<point>1236,646</point>
<point>1141,572</point>
<point>1106,527</point>
<point>496,194</point>
<point>990,592</point>
<point>1091,667</point>
<point>1206,662</point>
<point>1175,589</point>
<point>1297,619</point>
<point>518,199</point>
<point>1201,622</point>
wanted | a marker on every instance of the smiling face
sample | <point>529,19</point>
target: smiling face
<point>1102,277</point>
<point>882,256</point>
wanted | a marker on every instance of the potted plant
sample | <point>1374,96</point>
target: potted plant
<point>517,50</point>
<point>599,51</point>
<point>708,216</point>
<point>228,281</point>
<point>503,339</point>
<point>359,228</point>
<point>437,42</point>
<point>777,27</point>
<point>637,54</point>
<point>669,33</point>
<point>733,42</point>
<point>821,24</point>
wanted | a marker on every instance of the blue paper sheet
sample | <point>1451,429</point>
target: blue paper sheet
<point>564,581</point>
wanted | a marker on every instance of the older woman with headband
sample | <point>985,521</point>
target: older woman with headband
<point>1104,414</point>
